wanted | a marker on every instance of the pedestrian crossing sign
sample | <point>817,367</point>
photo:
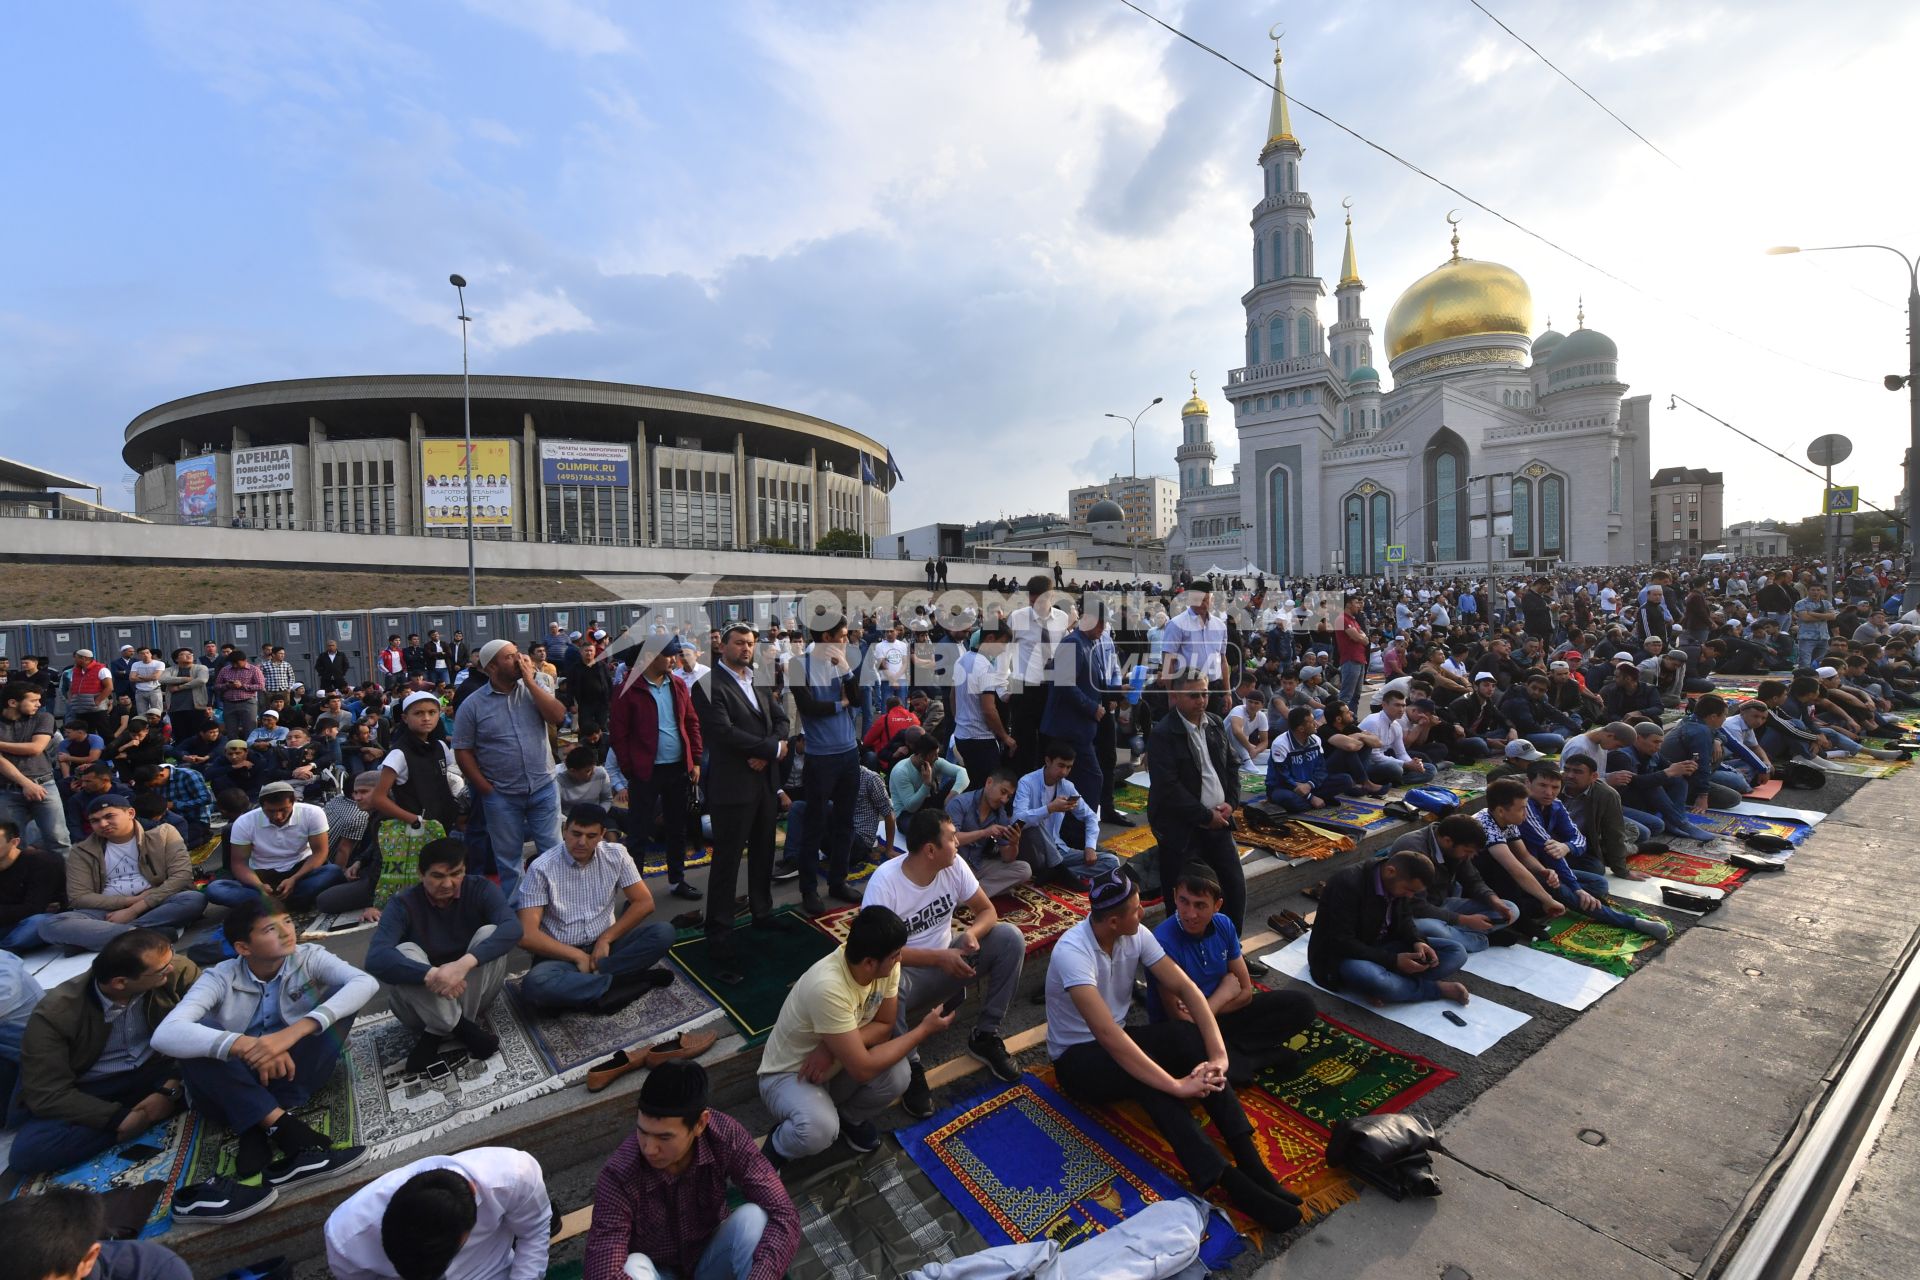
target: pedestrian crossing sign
<point>1843,501</point>
<point>1396,554</point>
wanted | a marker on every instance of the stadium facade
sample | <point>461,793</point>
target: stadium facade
<point>556,460</point>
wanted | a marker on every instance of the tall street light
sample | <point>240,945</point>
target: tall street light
<point>1909,594</point>
<point>459,283</point>
<point>1133,427</point>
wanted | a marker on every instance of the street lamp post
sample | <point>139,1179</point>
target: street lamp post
<point>1133,427</point>
<point>459,283</point>
<point>1910,593</point>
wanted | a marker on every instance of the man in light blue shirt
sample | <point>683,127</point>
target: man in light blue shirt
<point>1040,805</point>
<point>826,691</point>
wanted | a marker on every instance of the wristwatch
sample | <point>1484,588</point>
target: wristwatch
<point>172,1092</point>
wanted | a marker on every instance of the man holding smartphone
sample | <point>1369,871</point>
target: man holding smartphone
<point>924,889</point>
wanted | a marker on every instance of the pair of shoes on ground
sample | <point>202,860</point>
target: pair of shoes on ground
<point>229,1199</point>
<point>813,906</point>
<point>688,1044</point>
<point>1289,924</point>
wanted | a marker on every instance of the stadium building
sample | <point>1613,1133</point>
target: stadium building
<point>556,460</point>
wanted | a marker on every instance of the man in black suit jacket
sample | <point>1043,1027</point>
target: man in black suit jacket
<point>330,670</point>
<point>1364,939</point>
<point>1193,793</point>
<point>458,652</point>
<point>744,728</point>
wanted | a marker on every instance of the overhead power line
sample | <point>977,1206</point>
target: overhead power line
<point>1484,207</point>
<point>1673,396</point>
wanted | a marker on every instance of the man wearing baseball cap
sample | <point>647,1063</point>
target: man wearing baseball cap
<point>122,876</point>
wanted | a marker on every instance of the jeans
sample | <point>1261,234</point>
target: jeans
<point>728,1256</point>
<point>48,816</point>
<point>979,757</point>
<point>1808,650</point>
<point>48,1146</point>
<point>89,929</point>
<point>1394,772</point>
<point>1549,743</point>
<point>1597,886</point>
<point>1377,982</point>
<point>1042,852</point>
<point>666,787</point>
<point>1667,798</point>
<point>996,966</point>
<point>1328,788</point>
<point>829,788</point>
<point>1087,780</point>
<point>231,1093</point>
<point>238,719</point>
<point>231,893</point>
<point>1650,825</point>
<point>1088,1072</point>
<point>1352,674</point>
<point>514,820</point>
<point>556,984</point>
<point>1840,741</point>
<point>25,936</point>
<point>807,1117</point>
<point>1471,941</point>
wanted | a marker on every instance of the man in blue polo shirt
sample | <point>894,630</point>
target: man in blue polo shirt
<point>1257,1025</point>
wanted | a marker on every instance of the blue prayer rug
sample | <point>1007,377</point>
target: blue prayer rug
<point>1022,1163</point>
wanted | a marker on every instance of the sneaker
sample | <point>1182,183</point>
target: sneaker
<point>687,891</point>
<point>222,1200</point>
<point>786,869</point>
<point>308,1166</point>
<point>917,1101</point>
<point>861,1135</point>
<point>991,1052</point>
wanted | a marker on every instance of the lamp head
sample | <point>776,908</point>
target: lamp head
<point>1156,400</point>
<point>1894,381</point>
<point>457,281</point>
<point>1783,248</point>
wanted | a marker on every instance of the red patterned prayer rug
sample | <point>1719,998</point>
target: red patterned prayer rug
<point>1689,868</point>
<point>1041,914</point>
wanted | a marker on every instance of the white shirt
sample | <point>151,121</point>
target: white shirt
<point>509,1236</point>
<point>1034,639</point>
<point>279,848</point>
<point>928,911</point>
<point>1439,616</point>
<point>693,677</point>
<point>1257,725</point>
<point>890,659</point>
<point>123,870</point>
<point>1392,734</point>
<point>973,676</point>
<point>1582,744</point>
<point>1078,961</point>
<point>1608,599</point>
<point>146,675</point>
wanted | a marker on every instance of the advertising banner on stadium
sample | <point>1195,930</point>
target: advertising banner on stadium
<point>197,482</point>
<point>268,469</point>
<point>443,483</point>
<point>578,462</point>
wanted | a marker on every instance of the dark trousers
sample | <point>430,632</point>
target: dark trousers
<point>187,723</point>
<point>1088,1072</point>
<point>666,788</point>
<point>1267,1022</point>
<point>1028,706</point>
<point>830,787</point>
<point>1089,782</point>
<point>744,826</point>
<point>980,757</point>
<point>1106,753</point>
<point>48,1146</point>
<point>231,1093</point>
<point>1215,850</point>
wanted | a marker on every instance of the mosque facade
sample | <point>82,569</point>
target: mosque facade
<point>1335,469</point>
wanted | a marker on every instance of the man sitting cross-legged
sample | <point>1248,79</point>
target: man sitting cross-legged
<point>1297,775</point>
<point>660,1208</point>
<point>1200,939</point>
<point>473,1214</point>
<point>1552,843</point>
<point>123,875</point>
<point>583,957</point>
<point>1164,1067</point>
<point>834,1060</point>
<point>1364,938</point>
<point>1457,904</point>
<point>280,849</point>
<point>1041,801</point>
<point>923,889</point>
<point>89,1076</point>
<point>257,1037</point>
<point>441,953</point>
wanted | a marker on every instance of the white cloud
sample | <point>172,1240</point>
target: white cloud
<point>495,132</point>
<point>568,26</point>
<point>1491,56</point>
<point>521,317</point>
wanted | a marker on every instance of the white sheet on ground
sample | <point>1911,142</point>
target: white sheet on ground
<point>1140,779</point>
<point>1552,978</point>
<point>58,970</point>
<point>1648,891</point>
<point>1487,1022</point>
<point>1754,809</point>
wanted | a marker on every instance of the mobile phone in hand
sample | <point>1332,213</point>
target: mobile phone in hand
<point>952,1006</point>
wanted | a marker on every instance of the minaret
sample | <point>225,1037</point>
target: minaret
<point>1283,317</point>
<point>1195,455</point>
<point>1351,335</point>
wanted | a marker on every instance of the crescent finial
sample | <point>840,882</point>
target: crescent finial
<point>1275,32</point>
<point>1347,203</point>
<point>1452,218</point>
<point>1193,375</point>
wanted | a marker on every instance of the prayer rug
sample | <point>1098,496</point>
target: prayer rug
<point>1481,767</point>
<point>1023,1163</point>
<point>1132,841</point>
<point>1460,789</point>
<point>1864,767</point>
<point>1687,868</point>
<point>1354,815</point>
<point>330,1112</point>
<point>1040,913</point>
<point>1292,1147</point>
<point>656,861</point>
<point>1718,822</point>
<point>1601,946</point>
<point>564,1042</point>
<point>772,960</point>
<point>1342,1074</point>
<point>1129,798</point>
<point>1297,841</point>
<point>176,1138</point>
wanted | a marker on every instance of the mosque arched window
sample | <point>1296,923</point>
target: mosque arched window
<point>1279,260</point>
<point>1380,518</point>
<point>1305,344</point>
<point>1553,495</point>
<point>1521,543</point>
<point>1293,177</point>
<point>1259,262</point>
<point>1290,400</point>
<point>1253,345</point>
<point>1301,265</point>
<point>1446,471</point>
<point>1277,338</point>
<point>1356,534</point>
<point>1279,518</point>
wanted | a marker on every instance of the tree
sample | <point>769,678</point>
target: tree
<point>843,540</point>
<point>775,544</point>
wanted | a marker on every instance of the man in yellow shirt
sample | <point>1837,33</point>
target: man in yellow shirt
<point>832,1062</point>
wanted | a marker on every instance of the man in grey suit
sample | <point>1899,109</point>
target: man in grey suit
<point>745,729</point>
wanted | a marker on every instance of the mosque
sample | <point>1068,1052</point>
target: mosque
<point>1335,469</point>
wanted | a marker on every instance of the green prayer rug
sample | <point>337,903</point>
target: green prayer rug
<point>771,961</point>
<point>1600,946</point>
<point>1129,799</point>
<point>331,1113</point>
<point>1342,1074</point>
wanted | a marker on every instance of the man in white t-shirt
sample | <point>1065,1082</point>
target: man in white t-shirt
<point>924,889</point>
<point>145,673</point>
<point>1036,632</point>
<point>279,849</point>
<point>1163,1066</point>
<point>1391,762</point>
<point>1247,726</point>
<point>980,734</point>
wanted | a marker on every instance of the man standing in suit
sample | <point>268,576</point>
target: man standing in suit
<point>1194,789</point>
<point>745,730</point>
<point>1076,706</point>
<point>458,653</point>
<point>330,670</point>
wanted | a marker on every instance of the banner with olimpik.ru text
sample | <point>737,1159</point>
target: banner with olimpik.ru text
<point>443,483</point>
<point>584,463</point>
<point>196,481</point>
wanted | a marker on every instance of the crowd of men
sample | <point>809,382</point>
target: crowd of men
<point>940,756</point>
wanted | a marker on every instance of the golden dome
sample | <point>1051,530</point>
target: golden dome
<point>1459,298</point>
<point>1193,406</point>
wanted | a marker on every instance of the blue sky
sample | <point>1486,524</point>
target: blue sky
<point>965,229</point>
